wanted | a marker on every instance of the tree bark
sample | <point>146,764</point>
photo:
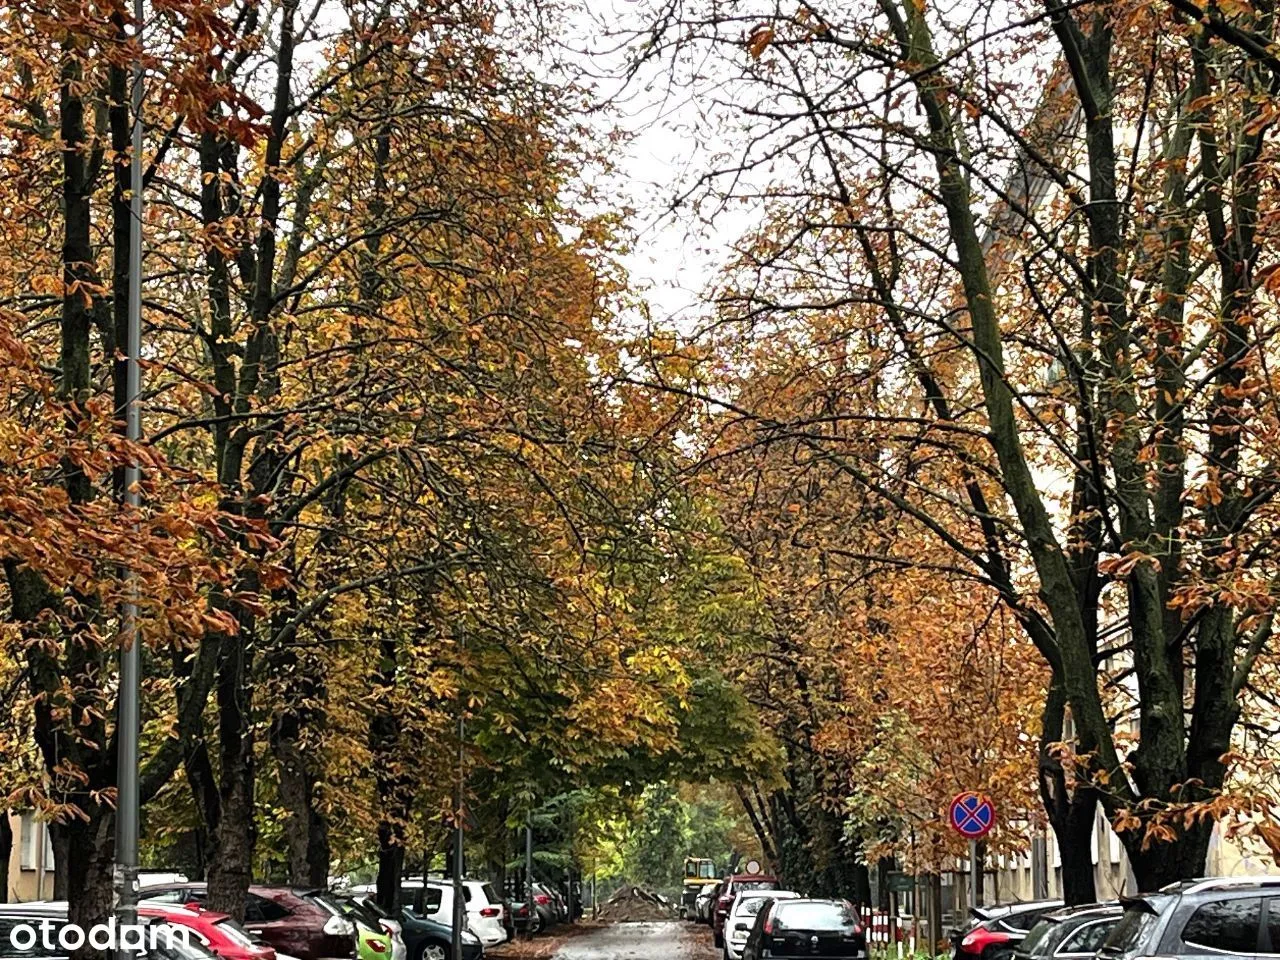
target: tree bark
<point>6,849</point>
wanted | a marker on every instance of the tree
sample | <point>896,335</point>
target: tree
<point>936,206</point>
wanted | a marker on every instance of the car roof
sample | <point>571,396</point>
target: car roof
<point>36,908</point>
<point>997,911</point>
<point>173,910</point>
<point>1084,909</point>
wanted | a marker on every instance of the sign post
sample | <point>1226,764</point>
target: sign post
<point>972,815</point>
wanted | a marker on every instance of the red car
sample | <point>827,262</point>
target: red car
<point>297,922</point>
<point>753,879</point>
<point>217,931</point>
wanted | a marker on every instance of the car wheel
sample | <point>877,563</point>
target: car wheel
<point>435,951</point>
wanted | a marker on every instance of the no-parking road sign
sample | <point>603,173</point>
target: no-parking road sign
<point>971,815</point>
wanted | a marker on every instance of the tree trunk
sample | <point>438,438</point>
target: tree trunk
<point>1075,848</point>
<point>390,866</point>
<point>6,849</point>
<point>307,834</point>
<point>1164,863</point>
<point>90,847</point>
<point>231,870</point>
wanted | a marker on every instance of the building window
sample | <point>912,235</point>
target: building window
<point>27,841</point>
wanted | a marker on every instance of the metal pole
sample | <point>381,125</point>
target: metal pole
<point>975,875</point>
<point>125,875</point>
<point>459,905</point>
<point>528,874</point>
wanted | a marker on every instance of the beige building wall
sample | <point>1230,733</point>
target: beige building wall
<point>30,860</point>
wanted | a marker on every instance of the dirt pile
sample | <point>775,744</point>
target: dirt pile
<point>633,905</point>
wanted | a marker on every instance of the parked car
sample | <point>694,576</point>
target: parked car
<point>702,902</point>
<point>1073,933</point>
<point>374,940</point>
<point>428,939</point>
<point>731,888</point>
<point>996,931</point>
<point>294,921</point>
<point>393,925</point>
<point>521,914</point>
<point>484,908</point>
<point>217,931</point>
<point>545,904</point>
<point>1221,917</point>
<point>737,926</point>
<point>508,918</point>
<point>51,915</point>
<point>433,900</point>
<point>559,909</point>
<point>806,928</point>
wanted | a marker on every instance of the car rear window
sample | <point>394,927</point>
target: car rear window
<point>1130,933</point>
<point>1024,920</point>
<point>755,885</point>
<point>750,906</point>
<point>489,893</point>
<point>813,916</point>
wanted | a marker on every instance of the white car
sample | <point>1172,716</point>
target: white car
<point>742,916</point>
<point>484,909</point>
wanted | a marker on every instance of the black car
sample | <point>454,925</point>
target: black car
<point>997,930</point>
<point>806,928</point>
<point>1213,918</point>
<point>1073,933</point>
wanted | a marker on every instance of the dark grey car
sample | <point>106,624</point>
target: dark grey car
<point>1212,919</point>
<point>1073,933</point>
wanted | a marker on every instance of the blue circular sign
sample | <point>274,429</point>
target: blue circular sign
<point>971,815</point>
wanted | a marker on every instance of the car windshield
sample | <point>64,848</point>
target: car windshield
<point>328,903</point>
<point>234,932</point>
<point>813,916</point>
<point>709,889</point>
<point>358,911</point>
<point>373,908</point>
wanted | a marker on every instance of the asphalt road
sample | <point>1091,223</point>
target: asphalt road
<point>673,940</point>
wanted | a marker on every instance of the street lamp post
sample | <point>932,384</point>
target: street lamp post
<point>459,905</point>
<point>528,875</point>
<point>125,875</point>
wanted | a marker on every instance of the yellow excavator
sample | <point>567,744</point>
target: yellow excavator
<point>698,872</point>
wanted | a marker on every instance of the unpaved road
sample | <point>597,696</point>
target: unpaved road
<point>670,940</point>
